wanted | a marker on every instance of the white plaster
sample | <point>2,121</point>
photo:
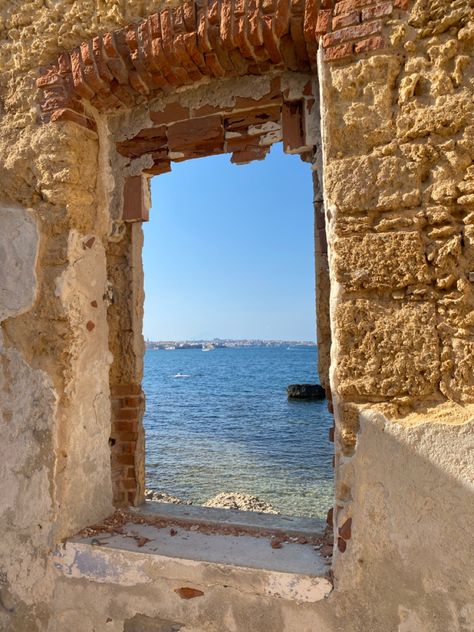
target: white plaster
<point>19,241</point>
<point>295,572</point>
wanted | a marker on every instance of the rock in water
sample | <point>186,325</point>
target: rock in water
<point>241,501</point>
<point>305,391</point>
<point>163,497</point>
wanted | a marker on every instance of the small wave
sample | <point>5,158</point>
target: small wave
<point>181,375</point>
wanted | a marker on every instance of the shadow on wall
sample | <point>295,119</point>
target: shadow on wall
<point>411,498</point>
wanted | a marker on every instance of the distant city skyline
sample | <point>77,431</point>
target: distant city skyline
<point>229,251</point>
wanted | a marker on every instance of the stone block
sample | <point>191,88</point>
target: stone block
<point>369,183</point>
<point>386,349</point>
<point>387,260</point>
<point>360,100</point>
<point>457,379</point>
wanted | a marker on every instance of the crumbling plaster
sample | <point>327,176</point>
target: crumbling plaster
<point>398,156</point>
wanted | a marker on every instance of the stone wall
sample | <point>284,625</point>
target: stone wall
<point>396,167</point>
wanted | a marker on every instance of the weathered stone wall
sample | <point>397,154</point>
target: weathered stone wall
<point>398,156</point>
<point>398,176</point>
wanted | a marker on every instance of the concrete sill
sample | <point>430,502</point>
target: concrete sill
<point>193,559</point>
<point>248,521</point>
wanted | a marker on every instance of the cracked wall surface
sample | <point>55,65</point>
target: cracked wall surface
<point>395,196</point>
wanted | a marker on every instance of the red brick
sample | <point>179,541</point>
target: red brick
<point>288,54</point>
<point>379,11</point>
<point>196,132</point>
<point>64,64</point>
<point>351,33</point>
<point>189,15</point>
<point>118,390</point>
<point>202,27</point>
<point>129,484</point>
<point>297,35</point>
<point>168,47</point>
<point>134,207</point>
<point>123,426</point>
<point>219,50</point>
<point>156,55</point>
<point>188,593</point>
<point>51,78</point>
<point>73,117</point>
<point>159,167</point>
<point>323,21</point>
<point>77,76</point>
<point>282,18</point>
<point>172,113</point>
<point>127,414</point>
<point>349,19</point>
<point>292,126</point>
<point>371,43</point>
<point>244,157</point>
<point>345,532</point>
<point>126,437</point>
<point>114,62</point>
<point>347,6</point>
<point>270,40</point>
<point>254,35</point>
<point>310,20</point>
<point>191,42</point>
<point>98,52</point>
<point>124,459</point>
<point>127,447</point>
<point>227,29</point>
<point>180,49</point>
<point>134,402</point>
<point>241,30</point>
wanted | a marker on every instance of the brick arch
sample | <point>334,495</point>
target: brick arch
<point>198,39</point>
<point>180,46</point>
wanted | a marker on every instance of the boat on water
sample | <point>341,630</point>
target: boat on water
<point>208,347</point>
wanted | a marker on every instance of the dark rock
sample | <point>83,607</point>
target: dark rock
<point>305,391</point>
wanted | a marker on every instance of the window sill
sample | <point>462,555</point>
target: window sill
<point>195,549</point>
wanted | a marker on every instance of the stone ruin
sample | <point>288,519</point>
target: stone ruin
<point>98,97</point>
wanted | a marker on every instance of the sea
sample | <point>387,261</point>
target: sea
<point>220,421</point>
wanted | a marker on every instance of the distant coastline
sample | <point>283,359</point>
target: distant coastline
<point>224,343</point>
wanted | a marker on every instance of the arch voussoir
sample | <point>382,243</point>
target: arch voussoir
<point>176,47</point>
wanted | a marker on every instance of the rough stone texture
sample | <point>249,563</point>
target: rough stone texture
<point>240,501</point>
<point>389,260</point>
<point>397,171</point>
<point>305,391</point>
<point>398,159</point>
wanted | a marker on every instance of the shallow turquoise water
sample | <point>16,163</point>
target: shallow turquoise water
<point>226,425</point>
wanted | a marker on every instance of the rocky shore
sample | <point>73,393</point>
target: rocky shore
<point>224,500</point>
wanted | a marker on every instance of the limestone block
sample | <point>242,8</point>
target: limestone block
<point>457,380</point>
<point>359,101</point>
<point>386,349</point>
<point>18,251</point>
<point>364,183</point>
<point>387,260</point>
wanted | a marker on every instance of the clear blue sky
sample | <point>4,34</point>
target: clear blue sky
<point>229,251</point>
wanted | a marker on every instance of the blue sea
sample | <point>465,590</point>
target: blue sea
<point>220,421</point>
